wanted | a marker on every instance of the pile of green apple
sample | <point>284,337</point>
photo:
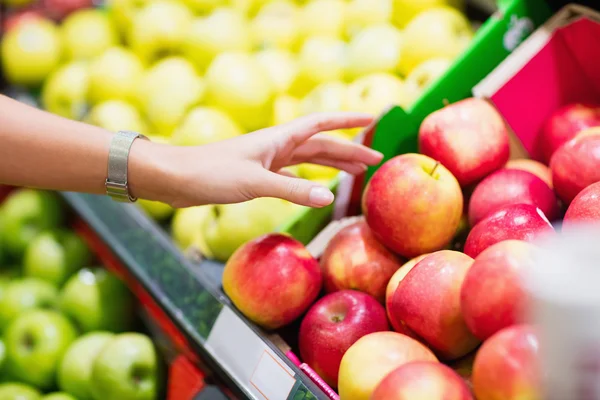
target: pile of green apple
<point>65,327</point>
<point>191,72</point>
<point>424,293</point>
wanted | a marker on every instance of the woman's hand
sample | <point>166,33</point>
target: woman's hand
<point>250,166</point>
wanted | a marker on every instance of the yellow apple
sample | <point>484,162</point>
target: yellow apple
<point>88,33</point>
<point>374,93</point>
<point>405,10</point>
<point>64,92</point>
<point>204,125</point>
<point>322,59</point>
<point>285,109</point>
<point>424,75</point>
<point>316,172</point>
<point>323,18</point>
<point>159,28</point>
<point>114,75</point>
<point>277,24</point>
<point>377,48</point>
<point>281,66</point>
<point>441,32</point>
<point>329,96</point>
<point>123,11</point>
<point>363,13</point>
<point>238,84</point>
<point>223,30</point>
<point>30,52</point>
<point>117,115</point>
<point>167,91</point>
<point>155,209</point>
<point>204,6</point>
<point>187,223</point>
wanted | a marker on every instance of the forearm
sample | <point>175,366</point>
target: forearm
<point>41,150</point>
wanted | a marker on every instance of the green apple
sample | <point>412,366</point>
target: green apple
<point>65,91</point>
<point>117,115</point>
<point>95,299</point>
<point>59,396</point>
<point>377,48</point>
<point>159,28</point>
<point>18,391</point>
<point>123,11</point>
<point>281,66</point>
<point>75,368</point>
<point>204,125</point>
<point>186,222</point>
<point>27,213</point>
<point>126,368</point>
<point>441,32</point>
<point>321,59</point>
<point>156,210</point>
<point>330,96</point>
<point>405,10</point>
<point>30,52</point>
<point>285,109</point>
<point>87,33</point>
<point>363,13</point>
<point>2,356</point>
<point>35,342</point>
<point>374,93</point>
<point>25,294</point>
<point>277,25</point>
<point>55,256</point>
<point>238,84</point>
<point>323,18</point>
<point>168,91</point>
<point>114,75</point>
<point>231,225</point>
<point>223,30</point>
<point>425,74</point>
<point>204,6</point>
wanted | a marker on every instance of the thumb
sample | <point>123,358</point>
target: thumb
<point>296,190</point>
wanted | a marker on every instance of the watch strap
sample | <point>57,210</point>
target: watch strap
<point>118,156</point>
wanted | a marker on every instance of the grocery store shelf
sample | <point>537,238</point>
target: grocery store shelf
<point>234,349</point>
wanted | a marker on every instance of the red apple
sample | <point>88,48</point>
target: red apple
<point>19,17</point>
<point>333,324</point>
<point>354,259</point>
<point>564,124</point>
<point>492,295</point>
<point>506,366</point>
<point>511,186</point>
<point>272,280</point>
<point>585,208</point>
<point>400,326</point>
<point>468,137</point>
<point>575,165</point>
<point>535,167</point>
<point>427,300</point>
<point>413,205</point>
<point>422,380</point>
<point>517,221</point>
<point>372,357</point>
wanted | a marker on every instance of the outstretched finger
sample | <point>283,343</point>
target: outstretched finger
<point>303,128</point>
<point>328,147</point>
<point>296,190</point>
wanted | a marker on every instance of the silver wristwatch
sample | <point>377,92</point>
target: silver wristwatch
<point>118,154</point>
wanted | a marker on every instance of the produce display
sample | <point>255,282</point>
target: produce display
<point>191,72</point>
<point>67,325</point>
<point>423,295</point>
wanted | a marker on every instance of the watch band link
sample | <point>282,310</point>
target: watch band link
<point>118,155</point>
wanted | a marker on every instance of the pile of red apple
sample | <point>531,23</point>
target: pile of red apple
<point>406,315</point>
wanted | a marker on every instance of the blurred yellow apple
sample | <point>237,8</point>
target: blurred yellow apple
<point>285,109</point>
<point>159,28</point>
<point>64,92</point>
<point>155,209</point>
<point>316,172</point>
<point>167,91</point>
<point>123,11</point>
<point>277,24</point>
<point>30,52</point>
<point>323,18</point>
<point>117,115</point>
<point>204,6</point>
<point>239,85</point>
<point>204,125</point>
<point>405,10</point>
<point>187,223</point>
<point>281,66</point>
<point>329,96</point>
<point>88,33</point>
<point>322,59</point>
<point>114,75</point>
<point>363,13</point>
<point>425,74</point>
<point>441,32</point>
<point>374,93</point>
<point>377,48</point>
<point>223,30</point>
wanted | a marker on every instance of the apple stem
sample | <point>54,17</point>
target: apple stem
<point>437,163</point>
<point>446,102</point>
